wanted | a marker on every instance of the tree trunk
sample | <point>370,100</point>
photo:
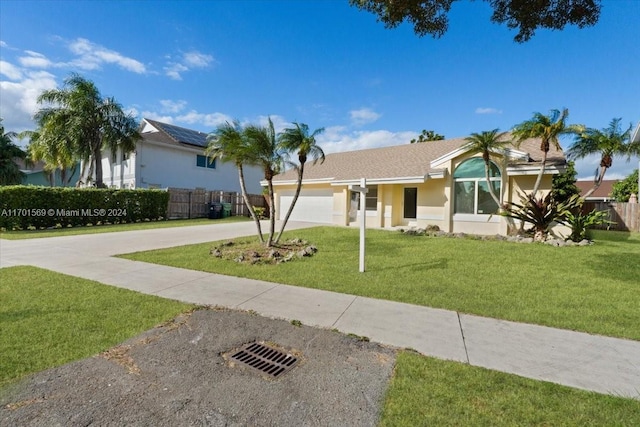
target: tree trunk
<point>536,186</point>
<point>97,159</point>
<point>247,202</point>
<point>272,213</point>
<point>293,202</point>
<point>599,179</point>
<point>489,183</point>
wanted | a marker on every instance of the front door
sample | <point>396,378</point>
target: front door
<point>410,202</point>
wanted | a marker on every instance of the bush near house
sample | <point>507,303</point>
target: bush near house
<point>23,207</point>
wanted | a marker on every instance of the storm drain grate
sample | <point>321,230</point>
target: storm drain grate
<point>265,359</point>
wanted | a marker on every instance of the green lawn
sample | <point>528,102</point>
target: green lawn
<point>48,319</point>
<point>432,392</point>
<point>593,289</point>
<point>31,234</point>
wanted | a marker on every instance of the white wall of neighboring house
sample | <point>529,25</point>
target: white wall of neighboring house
<point>158,165</point>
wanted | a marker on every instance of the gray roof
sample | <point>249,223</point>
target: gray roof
<point>408,160</point>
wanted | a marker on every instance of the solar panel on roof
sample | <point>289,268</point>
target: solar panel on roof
<point>186,136</point>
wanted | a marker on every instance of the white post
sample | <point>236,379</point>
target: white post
<point>363,219</point>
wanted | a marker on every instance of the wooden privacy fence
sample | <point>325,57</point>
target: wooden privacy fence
<point>194,203</point>
<point>625,215</point>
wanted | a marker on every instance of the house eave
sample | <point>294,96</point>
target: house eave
<point>533,170</point>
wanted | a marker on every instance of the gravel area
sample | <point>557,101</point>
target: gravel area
<point>179,375</point>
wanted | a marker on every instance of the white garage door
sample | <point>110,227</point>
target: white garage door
<point>312,205</point>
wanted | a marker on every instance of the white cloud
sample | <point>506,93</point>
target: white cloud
<point>18,102</point>
<point>92,56</point>
<point>173,70</point>
<point>590,165</point>
<point>169,106</point>
<point>156,116</point>
<point>3,44</point>
<point>197,60</point>
<point>34,60</point>
<point>209,119</point>
<point>488,110</point>
<point>363,116</point>
<point>339,138</point>
<point>10,71</point>
<point>187,62</point>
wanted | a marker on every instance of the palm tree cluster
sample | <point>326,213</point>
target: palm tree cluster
<point>609,142</point>
<point>261,146</point>
<point>76,124</point>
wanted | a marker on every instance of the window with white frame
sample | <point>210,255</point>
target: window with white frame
<point>471,191</point>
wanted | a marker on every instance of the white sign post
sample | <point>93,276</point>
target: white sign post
<point>362,189</point>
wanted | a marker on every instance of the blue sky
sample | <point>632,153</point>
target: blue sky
<point>198,63</point>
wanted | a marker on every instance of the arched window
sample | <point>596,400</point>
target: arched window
<point>471,192</point>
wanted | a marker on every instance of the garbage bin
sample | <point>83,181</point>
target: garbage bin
<point>215,210</point>
<point>226,210</point>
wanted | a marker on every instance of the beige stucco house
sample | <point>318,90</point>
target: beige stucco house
<point>432,183</point>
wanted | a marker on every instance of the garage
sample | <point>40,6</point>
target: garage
<point>312,206</point>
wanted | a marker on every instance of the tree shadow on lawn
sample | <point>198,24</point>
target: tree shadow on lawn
<point>621,266</point>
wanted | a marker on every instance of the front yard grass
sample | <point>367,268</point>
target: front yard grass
<point>48,319</point>
<point>110,228</point>
<point>427,391</point>
<point>592,289</point>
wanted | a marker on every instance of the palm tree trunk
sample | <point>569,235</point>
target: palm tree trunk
<point>596,185</point>
<point>293,203</point>
<point>247,202</point>
<point>272,213</point>
<point>97,159</point>
<point>536,186</point>
<point>490,185</point>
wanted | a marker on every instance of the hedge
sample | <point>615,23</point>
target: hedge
<point>26,206</point>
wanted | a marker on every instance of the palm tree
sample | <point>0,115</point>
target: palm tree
<point>228,143</point>
<point>487,142</point>
<point>56,153</point>
<point>607,142</point>
<point>297,139</point>
<point>548,129</point>
<point>87,121</point>
<point>266,152</point>
<point>10,173</point>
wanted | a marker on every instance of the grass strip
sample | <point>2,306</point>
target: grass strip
<point>110,228</point>
<point>49,319</point>
<point>426,391</point>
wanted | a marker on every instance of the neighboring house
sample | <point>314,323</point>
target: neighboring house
<point>602,193</point>
<point>36,175</point>
<point>172,156</point>
<point>431,183</point>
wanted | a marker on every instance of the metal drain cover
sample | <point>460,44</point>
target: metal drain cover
<point>266,359</point>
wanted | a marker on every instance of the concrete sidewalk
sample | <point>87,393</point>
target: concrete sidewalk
<point>590,362</point>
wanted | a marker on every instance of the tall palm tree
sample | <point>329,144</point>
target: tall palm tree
<point>607,142</point>
<point>487,142</point>
<point>228,143</point>
<point>91,122</point>
<point>297,139</point>
<point>266,153</point>
<point>10,173</point>
<point>548,129</point>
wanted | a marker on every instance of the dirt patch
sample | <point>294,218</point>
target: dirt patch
<point>176,375</point>
<point>252,252</point>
